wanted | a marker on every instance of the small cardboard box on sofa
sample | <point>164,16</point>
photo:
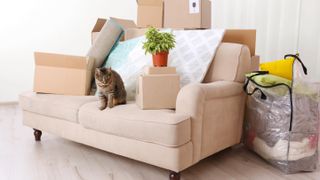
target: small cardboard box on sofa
<point>158,88</point>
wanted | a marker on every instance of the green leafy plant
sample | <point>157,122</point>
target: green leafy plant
<point>158,41</point>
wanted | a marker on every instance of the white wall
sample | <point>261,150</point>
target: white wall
<point>283,26</point>
<point>309,40</point>
<point>63,26</point>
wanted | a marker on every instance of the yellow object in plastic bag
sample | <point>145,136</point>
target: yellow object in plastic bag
<point>282,68</point>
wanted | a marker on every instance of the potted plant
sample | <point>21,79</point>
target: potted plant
<point>158,44</point>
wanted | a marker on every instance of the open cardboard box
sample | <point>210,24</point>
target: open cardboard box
<point>62,74</point>
<point>242,36</point>
<point>134,32</point>
<point>124,23</point>
<point>97,28</point>
<point>246,37</point>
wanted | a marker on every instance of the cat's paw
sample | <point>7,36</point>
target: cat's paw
<point>110,105</point>
<point>102,108</point>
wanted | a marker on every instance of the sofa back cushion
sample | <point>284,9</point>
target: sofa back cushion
<point>231,62</point>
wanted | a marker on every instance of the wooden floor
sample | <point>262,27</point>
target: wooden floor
<point>54,158</point>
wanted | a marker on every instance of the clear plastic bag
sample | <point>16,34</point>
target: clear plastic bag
<point>282,122</point>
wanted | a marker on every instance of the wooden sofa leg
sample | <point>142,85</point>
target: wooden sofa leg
<point>174,176</point>
<point>37,134</point>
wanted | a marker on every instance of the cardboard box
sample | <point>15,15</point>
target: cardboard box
<point>124,23</point>
<point>97,28</point>
<point>190,14</point>
<point>134,32</point>
<point>247,37</point>
<point>160,70</point>
<point>242,36</point>
<point>62,74</point>
<point>150,13</point>
<point>157,91</point>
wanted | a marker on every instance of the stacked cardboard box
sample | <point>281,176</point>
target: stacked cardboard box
<point>150,13</point>
<point>158,88</point>
<point>190,14</point>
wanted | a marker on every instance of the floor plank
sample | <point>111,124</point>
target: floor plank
<point>54,158</point>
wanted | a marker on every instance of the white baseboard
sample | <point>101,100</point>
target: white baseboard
<point>9,103</point>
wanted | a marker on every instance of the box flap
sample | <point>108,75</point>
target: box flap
<point>124,23</point>
<point>134,32</point>
<point>59,60</point>
<point>242,36</point>
<point>150,2</point>
<point>99,24</point>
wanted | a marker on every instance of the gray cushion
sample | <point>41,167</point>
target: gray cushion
<point>104,42</point>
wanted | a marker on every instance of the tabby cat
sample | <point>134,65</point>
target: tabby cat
<point>110,88</point>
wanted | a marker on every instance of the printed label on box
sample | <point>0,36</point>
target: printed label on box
<point>194,6</point>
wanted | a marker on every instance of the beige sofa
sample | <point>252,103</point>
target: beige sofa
<point>208,118</point>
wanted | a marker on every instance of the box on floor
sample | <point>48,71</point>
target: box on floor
<point>62,74</point>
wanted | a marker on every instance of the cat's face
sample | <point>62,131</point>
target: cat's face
<point>103,76</point>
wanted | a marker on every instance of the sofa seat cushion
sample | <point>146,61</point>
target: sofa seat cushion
<point>164,127</point>
<point>58,106</point>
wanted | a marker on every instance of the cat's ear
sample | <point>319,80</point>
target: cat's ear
<point>109,69</point>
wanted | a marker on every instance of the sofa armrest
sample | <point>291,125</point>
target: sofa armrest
<point>192,95</point>
<point>191,100</point>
